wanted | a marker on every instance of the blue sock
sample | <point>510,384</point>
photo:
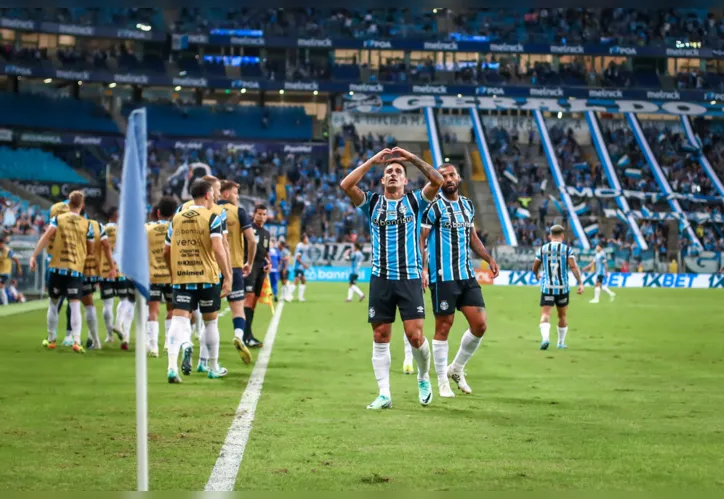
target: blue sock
<point>239,323</point>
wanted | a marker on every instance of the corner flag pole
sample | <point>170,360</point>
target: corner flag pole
<point>132,258</point>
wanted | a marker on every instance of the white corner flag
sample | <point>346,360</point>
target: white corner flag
<point>132,257</point>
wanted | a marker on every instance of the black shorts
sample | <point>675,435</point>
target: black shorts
<point>4,278</point>
<point>284,275</point>
<point>387,296</point>
<point>599,279</point>
<point>353,278</point>
<point>547,300</point>
<point>159,291</point>
<point>448,296</point>
<point>65,285</point>
<point>298,273</point>
<point>120,287</point>
<point>255,282</point>
<point>89,286</point>
<point>237,286</point>
<point>206,299</point>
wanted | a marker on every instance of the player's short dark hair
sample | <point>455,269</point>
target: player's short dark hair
<point>404,166</point>
<point>227,185</point>
<point>112,212</point>
<point>445,165</point>
<point>358,246</point>
<point>557,230</point>
<point>166,206</point>
<point>200,188</point>
<point>260,207</point>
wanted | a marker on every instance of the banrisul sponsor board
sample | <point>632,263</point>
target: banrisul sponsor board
<point>543,99</point>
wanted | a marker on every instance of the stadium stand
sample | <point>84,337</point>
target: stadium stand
<point>35,164</point>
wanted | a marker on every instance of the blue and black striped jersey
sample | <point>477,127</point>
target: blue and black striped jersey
<point>395,229</point>
<point>554,262</point>
<point>356,260</point>
<point>451,224</point>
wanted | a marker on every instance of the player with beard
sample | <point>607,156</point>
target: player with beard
<point>396,281</point>
<point>448,233</point>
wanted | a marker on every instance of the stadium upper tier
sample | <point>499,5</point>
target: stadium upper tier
<point>634,27</point>
<point>247,122</point>
<point>40,111</point>
<point>36,165</point>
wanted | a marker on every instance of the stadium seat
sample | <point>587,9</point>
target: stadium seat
<point>41,111</point>
<point>36,165</point>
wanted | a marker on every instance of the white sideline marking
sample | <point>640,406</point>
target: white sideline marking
<point>223,476</point>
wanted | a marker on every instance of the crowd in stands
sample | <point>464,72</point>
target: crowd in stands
<point>18,217</point>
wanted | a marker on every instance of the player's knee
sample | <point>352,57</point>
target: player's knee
<point>545,318</point>
<point>562,321</point>
<point>479,328</point>
<point>442,327</point>
<point>382,334</point>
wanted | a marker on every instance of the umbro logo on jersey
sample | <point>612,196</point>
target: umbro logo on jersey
<point>190,214</point>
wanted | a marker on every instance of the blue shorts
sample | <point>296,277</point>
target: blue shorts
<point>4,278</point>
<point>237,286</point>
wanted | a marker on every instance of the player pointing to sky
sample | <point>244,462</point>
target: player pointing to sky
<point>396,281</point>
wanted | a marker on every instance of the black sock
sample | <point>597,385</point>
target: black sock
<point>249,313</point>
<point>67,317</point>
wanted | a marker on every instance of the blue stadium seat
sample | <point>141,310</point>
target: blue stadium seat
<point>285,123</point>
<point>36,165</point>
<point>40,111</point>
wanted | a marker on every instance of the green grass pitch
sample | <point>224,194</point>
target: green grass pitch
<point>635,403</point>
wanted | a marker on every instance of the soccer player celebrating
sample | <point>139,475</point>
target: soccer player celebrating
<point>91,277</point>
<point>355,259</point>
<point>7,257</point>
<point>556,258</point>
<point>396,281</point>
<point>194,245</point>
<point>599,261</point>
<point>448,232</point>
<point>301,253</point>
<point>258,273</point>
<point>111,286</point>
<point>160,273</point>
<point>239,232</point>
<point>73,242</point>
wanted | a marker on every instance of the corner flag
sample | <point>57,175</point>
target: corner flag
<point>132,257</point>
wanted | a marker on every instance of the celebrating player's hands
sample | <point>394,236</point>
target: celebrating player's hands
<point>402,153</point>
<point>383,157</point>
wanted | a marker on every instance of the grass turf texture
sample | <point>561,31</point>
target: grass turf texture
<point>635,403</point>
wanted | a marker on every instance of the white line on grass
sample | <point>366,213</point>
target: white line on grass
<point>223,476</point>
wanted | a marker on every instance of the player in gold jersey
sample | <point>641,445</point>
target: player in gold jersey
<point>55,210</point>
<point>160,273</point>
<point>91,277</point>
<point>73,241</point>
<point>112,285</point>
<point>240,232</point>
<point>195,253</point>
<point>7,257</point>
<point>221,213</point>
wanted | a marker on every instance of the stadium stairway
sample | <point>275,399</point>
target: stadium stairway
<point>487,219</point>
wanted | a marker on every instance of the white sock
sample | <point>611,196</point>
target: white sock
<point>211,335</point>
<point>468,345</point>
<point>76,320</point>
<point>408,350</point>
<point>349,294</point>
<point>52,317</point>
<point>167,328</point>
<point>357,290</point>
<point>545,331</point>
<point>439,357</point>
<point>610,293</point>
<point>596,293</point>
<point>198,322</point>
<point>292,287</point>
<point>3,296</point>
<point>91,318</point>
<point>152,330</point>
<point>178,334</point>
<point>120,314</point>
<point>302,287</point>
<point>381,361</point>
<point>108,316</point>
<point>128,320</point>
<point>562,331</point>
<point>203,348</point>
<point>422,359</point>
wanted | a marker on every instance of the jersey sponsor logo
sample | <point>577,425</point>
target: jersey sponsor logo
<point>190,214</point>
<point>397,221</point>
<point>458,225</point>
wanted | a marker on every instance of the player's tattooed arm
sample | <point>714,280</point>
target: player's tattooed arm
<point>349,183</point>
<point>424,234</point>
<point>479,248</point>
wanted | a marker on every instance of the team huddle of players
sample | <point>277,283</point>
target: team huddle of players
<point>199,253</point>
